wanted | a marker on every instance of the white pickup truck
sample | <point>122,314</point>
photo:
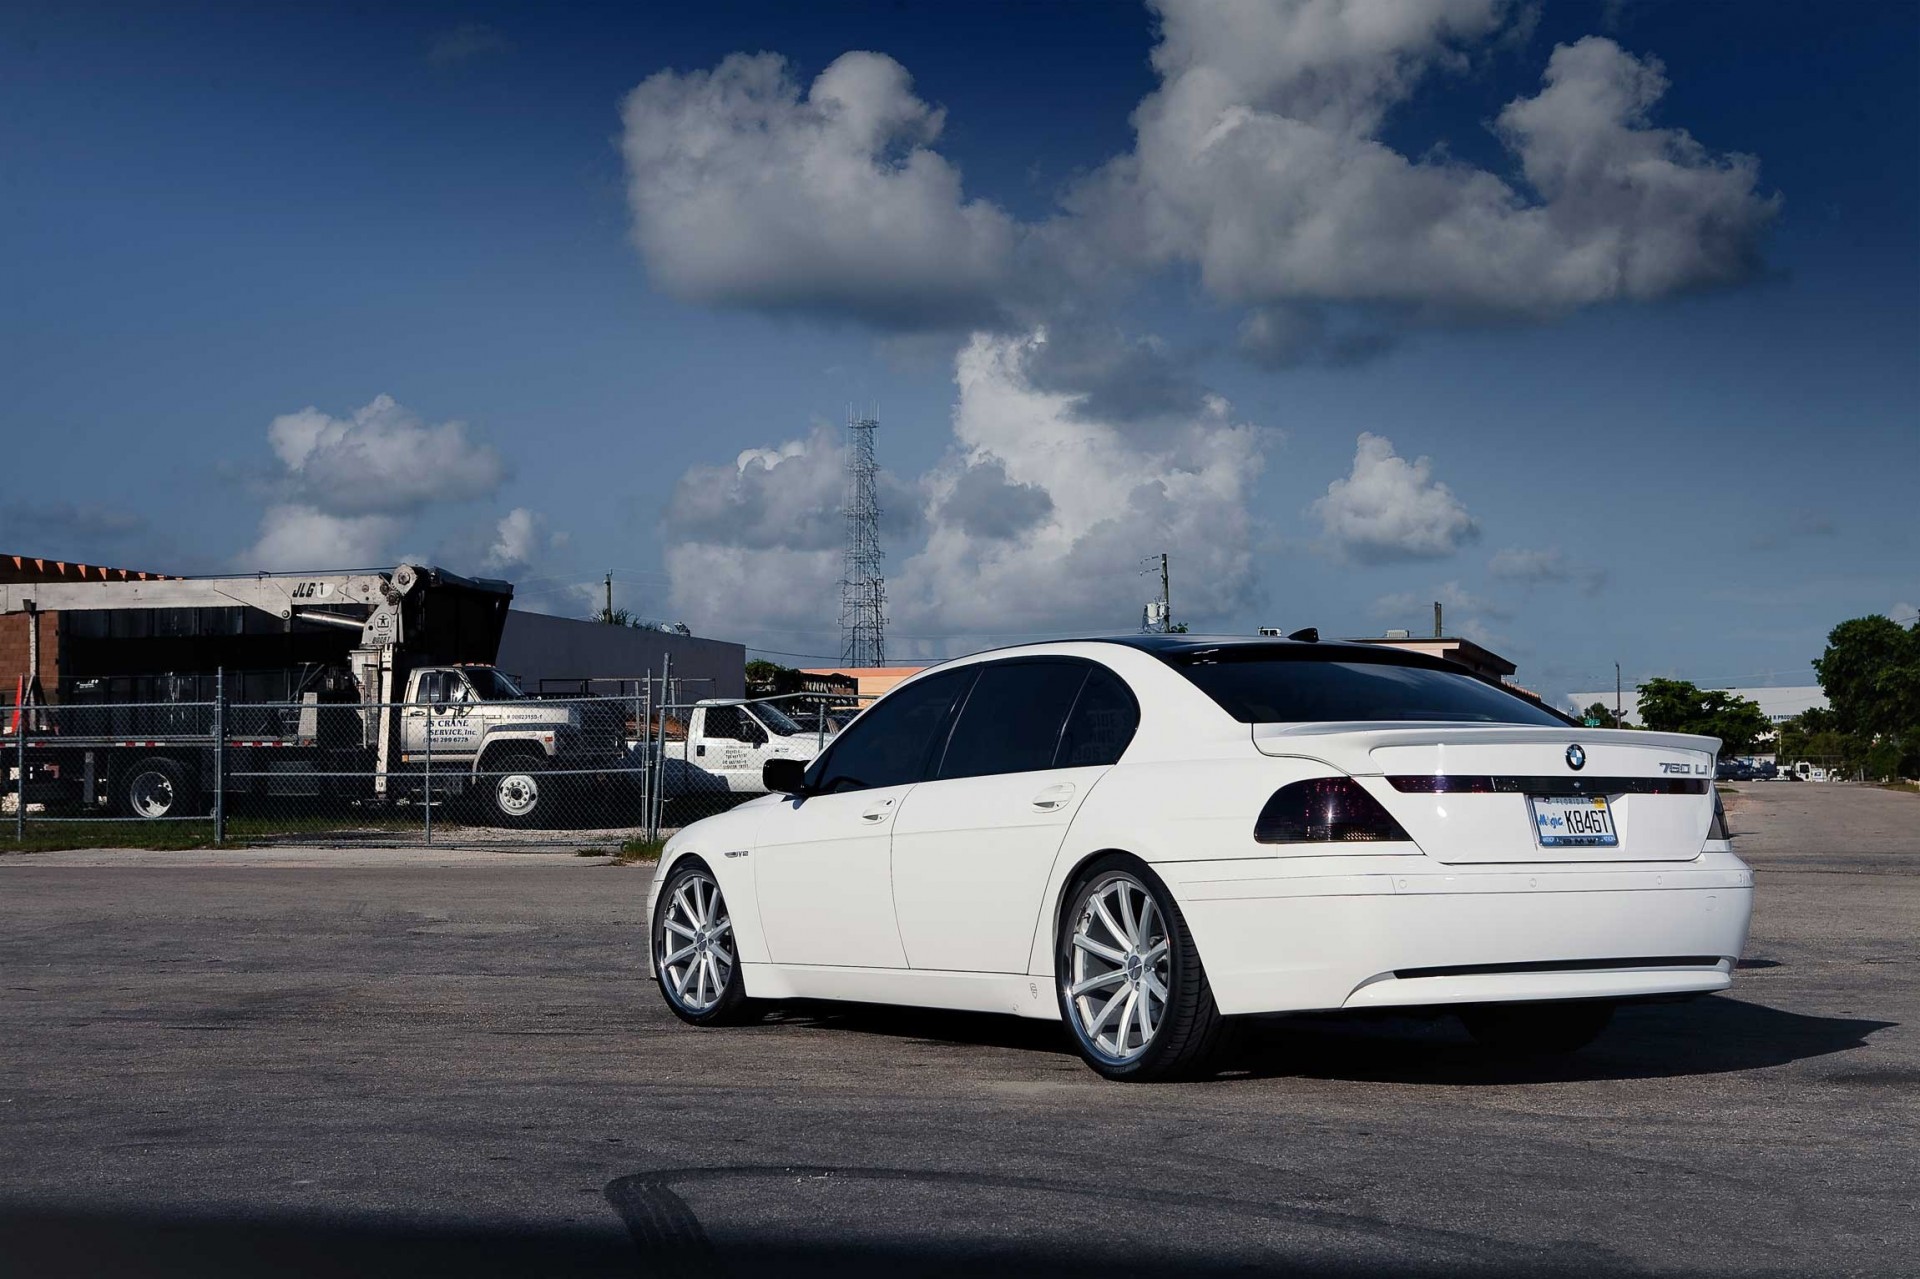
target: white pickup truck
<point>725,741</point>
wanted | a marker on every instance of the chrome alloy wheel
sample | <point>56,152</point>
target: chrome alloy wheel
<point>696,944</point>
<point>1116,984</point>
<point>517,794</point>
<point>152,794</point>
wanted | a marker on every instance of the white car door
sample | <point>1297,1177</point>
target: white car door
<point>973,845</point>
<point>821,860</point>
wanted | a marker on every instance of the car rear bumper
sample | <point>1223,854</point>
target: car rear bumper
<point>1367,934</point>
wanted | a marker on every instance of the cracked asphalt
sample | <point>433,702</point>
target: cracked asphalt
<point>390,1062</point>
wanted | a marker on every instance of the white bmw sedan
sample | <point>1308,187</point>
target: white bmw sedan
<point>1147,837</point>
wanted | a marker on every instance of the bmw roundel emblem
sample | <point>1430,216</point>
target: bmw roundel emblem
<point>1576,758</point>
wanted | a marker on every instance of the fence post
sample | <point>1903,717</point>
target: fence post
<point>659,797</point>
<point>426,781</point>
<point>20,721</point>
<point>220,756</point>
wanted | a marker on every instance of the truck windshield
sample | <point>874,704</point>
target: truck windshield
<point>1295,691</point>
<point>776,720</point>
<point>490,685</point>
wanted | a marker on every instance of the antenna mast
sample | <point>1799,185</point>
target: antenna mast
<point>863,592</point>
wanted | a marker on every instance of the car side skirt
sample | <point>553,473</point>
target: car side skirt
<point>1018,993</point>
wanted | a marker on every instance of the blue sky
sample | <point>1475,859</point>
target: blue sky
<point>215,218</point>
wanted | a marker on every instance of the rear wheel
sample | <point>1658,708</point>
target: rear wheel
<point>156,788</point>
<point>1537,1030</point>
<point>1130,983</point>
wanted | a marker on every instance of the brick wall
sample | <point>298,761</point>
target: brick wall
<point>14,645</point>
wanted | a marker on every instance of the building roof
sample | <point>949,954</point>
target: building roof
<point>1452,647</point>
<point>31,568</point>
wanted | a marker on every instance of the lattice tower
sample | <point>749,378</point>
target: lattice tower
<point>863,591</point>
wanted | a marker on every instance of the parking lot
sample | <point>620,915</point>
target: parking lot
<point>431,1061</point>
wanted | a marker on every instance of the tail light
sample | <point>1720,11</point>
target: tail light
<point>1327,810</point>
<point>1717,828</point>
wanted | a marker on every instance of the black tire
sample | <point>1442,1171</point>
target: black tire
<point>691,884</point>
<point>157,788</point>
<point>1537,1030</point>
<point>1186,1041</point>
<point>516,791</point>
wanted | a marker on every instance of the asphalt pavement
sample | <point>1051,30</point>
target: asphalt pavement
<point>387,1062</point>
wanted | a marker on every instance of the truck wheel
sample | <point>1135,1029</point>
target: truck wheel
<point>520,791</point>
<point>155,788</point>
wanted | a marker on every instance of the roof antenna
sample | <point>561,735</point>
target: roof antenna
<point>1306,635</point>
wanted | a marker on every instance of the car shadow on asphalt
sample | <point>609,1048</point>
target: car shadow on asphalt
<point>1711,1035</point>
<point>1707,1036</point>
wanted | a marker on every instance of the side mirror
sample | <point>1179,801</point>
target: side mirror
<point>784,776</point>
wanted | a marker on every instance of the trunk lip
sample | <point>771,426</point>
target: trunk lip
<point>1369,736</point>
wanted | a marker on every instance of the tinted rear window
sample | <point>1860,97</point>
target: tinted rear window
<point>1295,691</point>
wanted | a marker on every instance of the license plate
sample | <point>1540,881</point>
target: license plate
<point>1573,821</point>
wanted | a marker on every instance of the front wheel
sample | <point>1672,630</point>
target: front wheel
<point>1130,983</point>
<point>1537,1030</point>
<point>694,953</point>
<point>519,791</point>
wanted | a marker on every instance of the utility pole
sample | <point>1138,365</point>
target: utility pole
<point>609,615</point>
<point>1616,695</point>
<point>1166,596</point>
<point>1437,632</point>
<point>1157,617</point>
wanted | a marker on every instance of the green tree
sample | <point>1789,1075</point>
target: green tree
<point>1814,735</point>
<point>1871,674</point>
<point>1602,714</point>
<point>768,679</point>
<point>1677,706</point>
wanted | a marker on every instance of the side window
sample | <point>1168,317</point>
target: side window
<point>432,689</point>
<point>752,732</point>
<point>1102,722</point>
<point>1012,719</point>
<point>892,744</point>
<point>724,721</point>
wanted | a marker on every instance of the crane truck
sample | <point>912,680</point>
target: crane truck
<point>416,691</point>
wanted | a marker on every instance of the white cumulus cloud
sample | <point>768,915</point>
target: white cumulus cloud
<point>347,486</point>
<point>1388,508</point>
<point>1549,566</point>
<point>521,539</point>
<point>1093,498</point>
<point>382,458</point>
<point>1259,160</point>
<point>746,191</point>
<point>1037,520</point>
<point>296,536</point>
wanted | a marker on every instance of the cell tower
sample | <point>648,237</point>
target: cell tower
<point>863,592</point>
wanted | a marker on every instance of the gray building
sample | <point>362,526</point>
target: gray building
<point>564,651</point>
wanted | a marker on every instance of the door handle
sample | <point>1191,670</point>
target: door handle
<point>1053,798</point>
<point>879,812</point>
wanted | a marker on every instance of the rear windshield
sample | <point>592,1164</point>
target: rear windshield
<point>1294,691</point>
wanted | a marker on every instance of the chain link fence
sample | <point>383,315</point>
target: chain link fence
<point>612,769</point>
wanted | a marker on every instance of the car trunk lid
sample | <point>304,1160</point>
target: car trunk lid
<point>1473,792</point>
